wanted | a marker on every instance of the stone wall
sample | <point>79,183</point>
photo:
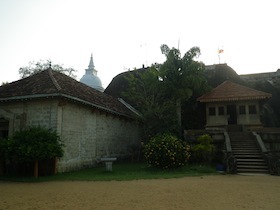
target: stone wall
<point>87,133</point>
<point>24,114</point>
<point>271,140</point>
<point>91,134</point>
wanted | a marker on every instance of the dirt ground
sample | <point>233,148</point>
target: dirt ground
<point>207,192</point>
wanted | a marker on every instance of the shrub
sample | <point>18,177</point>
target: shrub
<point>166,151</point>
<point>204,150</point>
<point>34,145</point>
<point>37,143</point>
<point>6,148</point>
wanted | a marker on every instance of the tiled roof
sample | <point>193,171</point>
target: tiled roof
<point>51,83</point>
<point>229,91</point>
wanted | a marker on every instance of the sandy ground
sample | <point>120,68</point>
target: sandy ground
<point>207,192</point>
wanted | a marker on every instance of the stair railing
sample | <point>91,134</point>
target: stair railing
<point>273,161</point>
<point>230,159</point>
<point>260,142</point>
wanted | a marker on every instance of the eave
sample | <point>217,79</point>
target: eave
<point>245,98</point>
<point>39,96</point>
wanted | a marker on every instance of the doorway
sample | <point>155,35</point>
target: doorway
<point>4,128</point>
<point>231,113</point>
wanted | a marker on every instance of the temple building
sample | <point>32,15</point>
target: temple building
<point>90,78</point>
<point>90,123</point>
<point>233,104</point>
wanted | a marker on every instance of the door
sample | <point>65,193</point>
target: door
<point>231,113</point>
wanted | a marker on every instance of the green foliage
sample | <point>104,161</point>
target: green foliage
<point>41,65</point>
<point>159,92</point>
<point>36,143</point>
<point>181,75</point>
<point>6,148</point>
<point>166,151</point>
<point>203,151</point>
<point>146,95</point>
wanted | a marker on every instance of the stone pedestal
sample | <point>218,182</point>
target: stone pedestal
<point>108,162</point>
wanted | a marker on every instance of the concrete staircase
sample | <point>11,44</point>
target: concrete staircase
<point>247,153</point>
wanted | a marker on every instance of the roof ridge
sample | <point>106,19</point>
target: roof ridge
<point>50,72</point>
<point>231,91</point>
<point>247,87</point>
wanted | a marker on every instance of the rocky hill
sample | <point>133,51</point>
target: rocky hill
<point>217,74</point>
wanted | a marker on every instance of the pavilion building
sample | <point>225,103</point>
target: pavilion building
<point>233,104</point>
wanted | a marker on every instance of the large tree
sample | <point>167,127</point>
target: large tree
<point>145,93</point>
<point>38,66</point>
<point>158,92</point>
<point>181,77</point>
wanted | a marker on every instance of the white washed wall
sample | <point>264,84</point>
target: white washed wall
<point>87,133</point>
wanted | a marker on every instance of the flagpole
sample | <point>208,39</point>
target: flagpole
<point>219,53</point>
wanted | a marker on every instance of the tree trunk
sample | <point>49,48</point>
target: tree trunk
<point>55,166</point>
<point>2,163</point>
<point>179,116</point>
<point>36,169</point>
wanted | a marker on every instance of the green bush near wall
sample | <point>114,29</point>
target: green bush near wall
<point>203,152</point>
<point>166,151</point>
<point>30,146</point>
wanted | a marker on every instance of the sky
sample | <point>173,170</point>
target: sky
<point>126,34</point>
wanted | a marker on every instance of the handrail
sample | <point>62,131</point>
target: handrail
<point>260,142</point>
<point>227,141</point>
<point>272,160</point>
<point>230,159</point>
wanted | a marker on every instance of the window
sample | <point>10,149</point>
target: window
<point>242,109</point>
<point>212,111</point>
<point>252,109</point>
<point>221,110</point>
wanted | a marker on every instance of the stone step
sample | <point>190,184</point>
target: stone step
<point>249,156</point>
<point>255,152</point>
<point>264,171</point>
<point>243,142</point>
<point>251,167</point>
<point>256,164</point>
<point>246,151</point>
<point>245,146</point>
<point>248,159</point>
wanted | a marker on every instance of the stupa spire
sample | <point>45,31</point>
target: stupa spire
<point>91,64</point>
<point>90,78</point>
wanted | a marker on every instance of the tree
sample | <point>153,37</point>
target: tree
<point>158,92</point>
<point>145,94</point>
<point>4,83</point>
<point>181,76</point>
<point>41,65</point>
<point>34,144</point>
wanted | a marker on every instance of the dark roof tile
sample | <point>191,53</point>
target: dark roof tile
<point>229,91</point>
<point>52,83</point>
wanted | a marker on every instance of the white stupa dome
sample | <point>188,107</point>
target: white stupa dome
<point>90,78</point>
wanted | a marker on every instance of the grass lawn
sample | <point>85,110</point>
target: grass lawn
<point>121,172</point>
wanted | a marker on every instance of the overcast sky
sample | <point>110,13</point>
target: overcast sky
<point>125,35</point>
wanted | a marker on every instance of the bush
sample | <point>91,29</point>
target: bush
<point>37,143</point>
<point>203,151</point>
<point>166,151</point>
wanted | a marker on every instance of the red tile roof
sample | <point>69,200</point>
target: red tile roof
<point>229,91</point>
<point>51,83</point>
